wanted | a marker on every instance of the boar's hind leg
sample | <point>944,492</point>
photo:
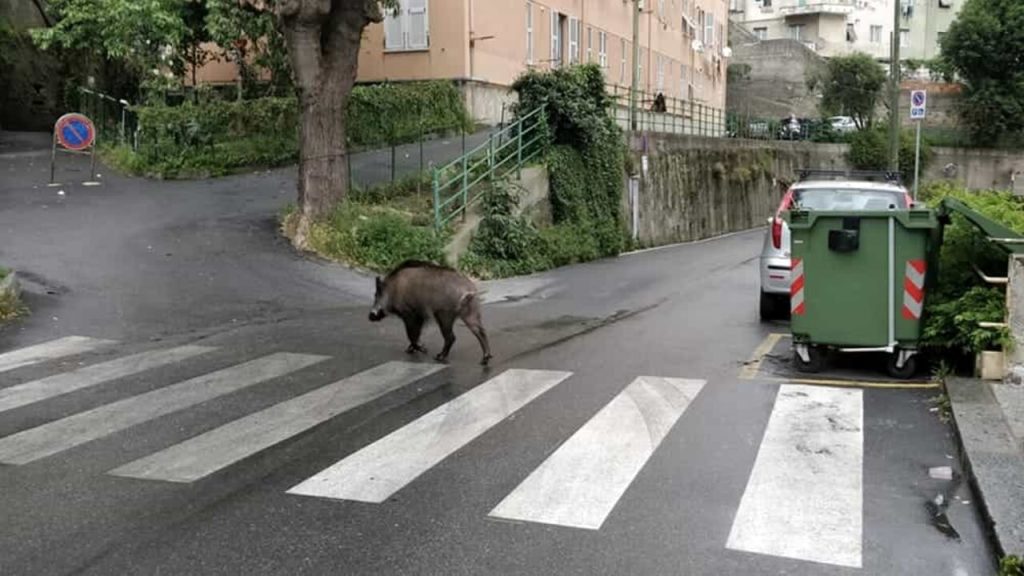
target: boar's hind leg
<point>445,321</point>
<point>471,317</point>
<point>413,328</point>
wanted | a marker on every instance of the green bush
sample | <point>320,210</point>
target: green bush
<point>586,176</point>
<point>958,299</point>
<point>869,150</point>
<point>375,237</point>
<point>214,136</point>
<point>1011,566</point>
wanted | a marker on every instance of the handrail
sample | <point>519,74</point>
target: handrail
<point>505,150</point>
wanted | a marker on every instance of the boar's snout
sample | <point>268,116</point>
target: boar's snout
<point>376,315</point>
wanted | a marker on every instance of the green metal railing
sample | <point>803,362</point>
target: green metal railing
<point>507,150</point>
<point>666,115</point>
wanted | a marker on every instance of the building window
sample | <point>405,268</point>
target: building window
<point>945,3</point>
<point>602,49</point>
<point>709,30</point>
<point>761,33</point>
<point>735,5</point>
<point>682,80</point>
<point>590,44</point>
<point>876,34</point>
<point>904,38</point>
<point>622,69</point>
<point>556,39</point>
<point>574,41</point>
<point>661,9</point>
<point>529,32</point>
<point>765,3</point>
<point>407,26</point>
<point>851,32</point>
<point>796,32</point>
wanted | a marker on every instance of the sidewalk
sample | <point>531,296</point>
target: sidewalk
<point>989,419</point>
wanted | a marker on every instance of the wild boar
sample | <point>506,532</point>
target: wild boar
<point>417,291</point>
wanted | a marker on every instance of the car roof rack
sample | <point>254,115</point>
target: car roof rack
<point>868,175</point>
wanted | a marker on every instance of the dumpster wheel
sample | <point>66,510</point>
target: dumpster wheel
<point>809,359</point>
<point>908,368</point>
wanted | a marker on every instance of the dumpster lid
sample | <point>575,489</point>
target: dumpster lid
<point>1004,237</point>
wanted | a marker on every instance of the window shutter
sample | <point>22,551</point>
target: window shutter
<point>393,33</point>
<point>418,29</point>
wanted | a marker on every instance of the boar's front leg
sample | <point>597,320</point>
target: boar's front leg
<point>413,328</point>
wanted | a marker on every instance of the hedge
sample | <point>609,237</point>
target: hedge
<point>217,136</point>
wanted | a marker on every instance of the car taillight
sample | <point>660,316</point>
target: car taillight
<point>777,233</point>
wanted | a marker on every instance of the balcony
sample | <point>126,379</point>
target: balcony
<point>809,7</point>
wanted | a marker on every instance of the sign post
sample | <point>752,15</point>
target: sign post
<point>75,133</point>
<point>918,107</point>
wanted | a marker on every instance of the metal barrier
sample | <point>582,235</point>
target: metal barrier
<point>505,150</point>
<point>113,118</point>
<point>667,114</point>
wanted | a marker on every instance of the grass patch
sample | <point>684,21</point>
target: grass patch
<point>10,306</point>
<point>378,228</point>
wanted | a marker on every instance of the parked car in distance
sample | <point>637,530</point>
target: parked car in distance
<point>819,190</point>
<point>843,124</point>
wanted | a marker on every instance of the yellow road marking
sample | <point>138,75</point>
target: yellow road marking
<point>856,383</point>
<point>753,366</point>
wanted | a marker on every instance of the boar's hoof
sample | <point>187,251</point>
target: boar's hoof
<point>441,358</point>
<point>485,360</point>
<point>414,348</point>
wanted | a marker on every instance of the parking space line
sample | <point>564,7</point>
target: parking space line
<point>753,366</point>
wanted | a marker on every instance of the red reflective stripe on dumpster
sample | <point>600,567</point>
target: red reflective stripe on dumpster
<point>796,289</point>
<point>913,290</point>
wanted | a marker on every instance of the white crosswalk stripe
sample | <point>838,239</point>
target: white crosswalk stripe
<point>804,496</point>
<point>803,499</point>
<point>205,454</point>
<point>59,435</point>
<point>52,350</point>
<point>581,482</point>
<point>376,472</point>
<point>60,384</point>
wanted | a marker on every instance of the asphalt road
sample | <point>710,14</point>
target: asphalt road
<point>620,430</point>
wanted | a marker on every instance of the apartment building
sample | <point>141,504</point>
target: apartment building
<point>829,27</point>
<point>486,44</point>
<point>923,24</point>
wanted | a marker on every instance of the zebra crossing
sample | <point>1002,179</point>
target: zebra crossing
<point>811,454</point>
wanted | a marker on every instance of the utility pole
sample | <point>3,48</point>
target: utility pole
<point>636,65</point>
<point>894,90</point>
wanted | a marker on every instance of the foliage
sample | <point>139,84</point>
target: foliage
<point>985,46</point>
<point>737,72</point>
<point>142,34</point>
<point>869,150</point>
<point>214,137</point>
<point>585,169</point>
<point>375,237</point>
<point>253,42</point>
<point>957,298</point>
<point>1011,566</point>
<point>385,114</point>
<point>850,86</point>
<point>10,306</point>
<point>575,100</point>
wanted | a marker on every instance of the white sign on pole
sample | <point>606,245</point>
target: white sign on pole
<point>918,104</point>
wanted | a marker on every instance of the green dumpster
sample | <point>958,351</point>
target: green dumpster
<point>858,284</point>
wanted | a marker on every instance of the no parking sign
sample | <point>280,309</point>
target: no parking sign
<point>918,104</point>
<point>75,133</point>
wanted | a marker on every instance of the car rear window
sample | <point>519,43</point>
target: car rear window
<point>846,199</point>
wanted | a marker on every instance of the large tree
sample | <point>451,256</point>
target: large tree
<point>322,37</point>
<point>985,48</point>
<point>850,86</point>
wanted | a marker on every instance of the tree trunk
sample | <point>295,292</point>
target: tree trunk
<point>324,58</point>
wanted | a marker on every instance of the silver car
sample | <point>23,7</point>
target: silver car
<point>818,190</point>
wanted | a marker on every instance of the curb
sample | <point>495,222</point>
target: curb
<point>992,461</point>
